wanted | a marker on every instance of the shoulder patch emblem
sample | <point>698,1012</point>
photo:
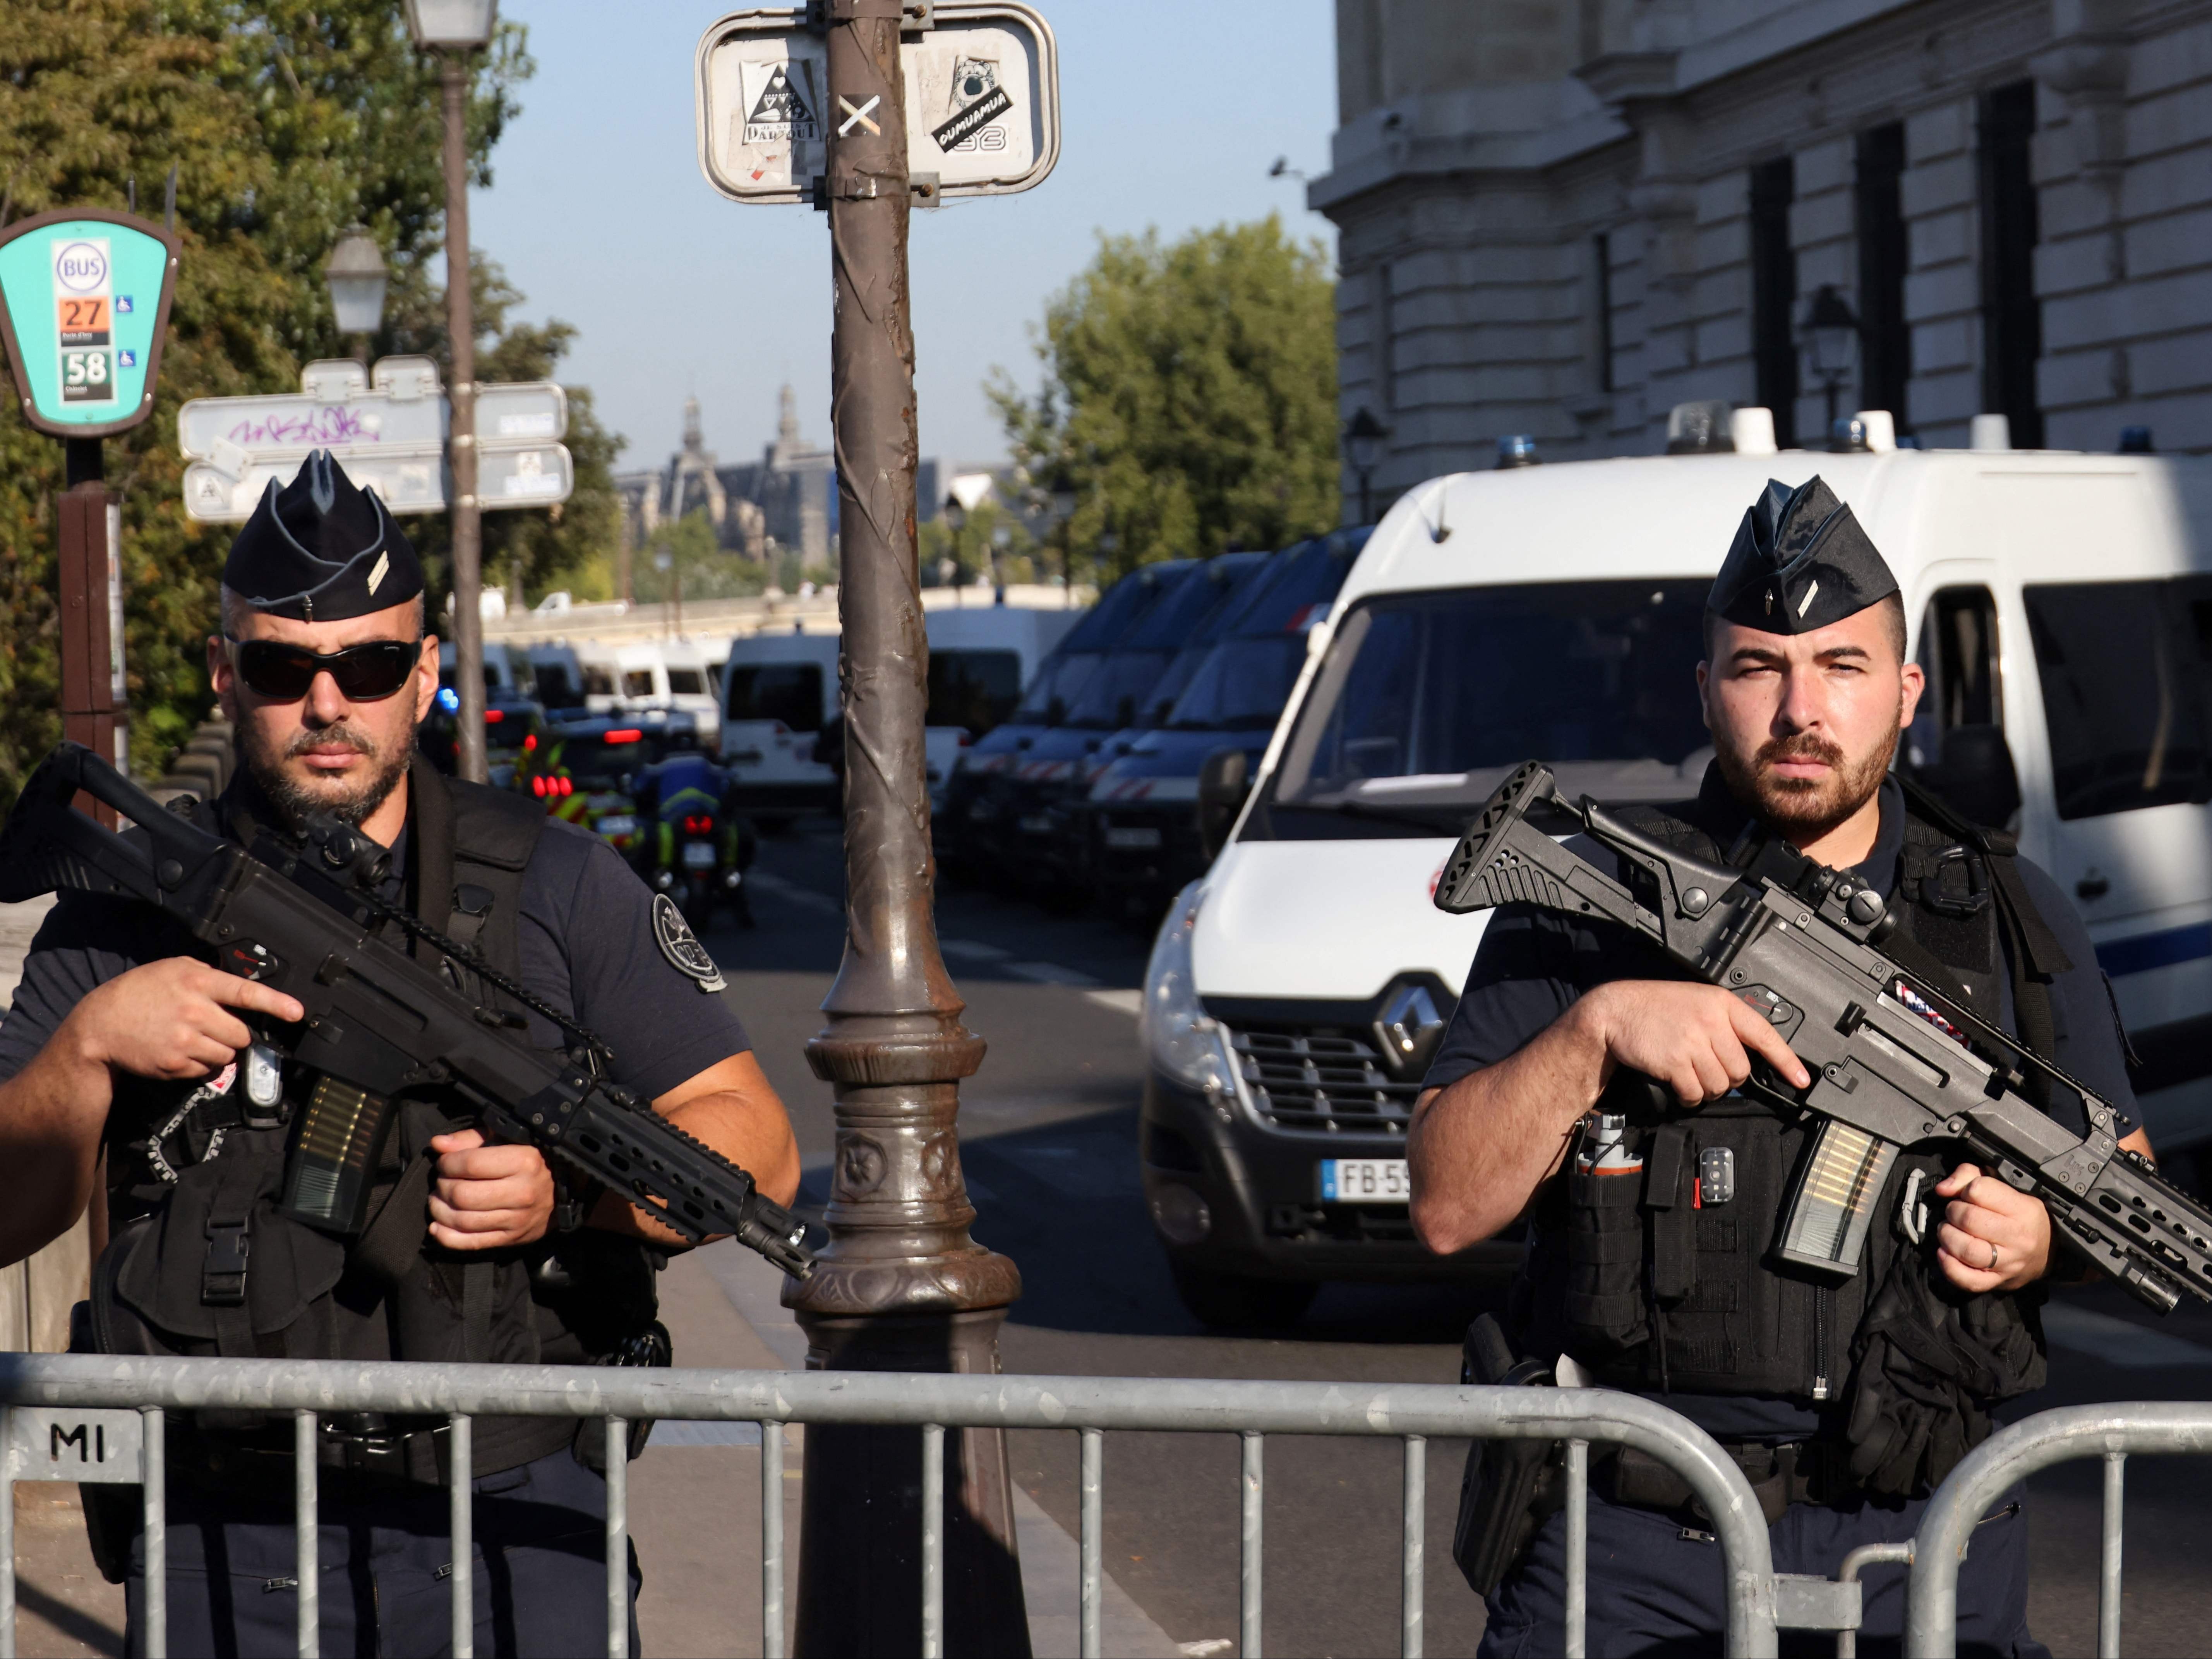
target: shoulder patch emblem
<point>682,947</point>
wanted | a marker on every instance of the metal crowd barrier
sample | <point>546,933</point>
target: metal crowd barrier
<point>106,1414</point>
<point>2109,1431</point>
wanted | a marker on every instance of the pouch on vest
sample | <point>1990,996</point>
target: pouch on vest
<point>1605,1299</point>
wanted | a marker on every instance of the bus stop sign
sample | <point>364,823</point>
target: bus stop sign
<point>84,303</point>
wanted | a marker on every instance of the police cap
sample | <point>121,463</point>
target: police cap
<point>322,549</point>
<point>1800,560</point>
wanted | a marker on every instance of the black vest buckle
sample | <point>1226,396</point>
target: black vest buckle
<point>223,1276</point>
<point>1958,886</point>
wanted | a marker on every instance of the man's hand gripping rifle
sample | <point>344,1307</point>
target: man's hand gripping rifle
<point>297,916</point>
<point>1894,1061</point>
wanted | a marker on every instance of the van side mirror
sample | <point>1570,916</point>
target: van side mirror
<point>1223,782</point>
<point>1976,777</point>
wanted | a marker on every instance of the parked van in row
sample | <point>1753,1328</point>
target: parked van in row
<point>779,696</point>
<point>2060,604</point>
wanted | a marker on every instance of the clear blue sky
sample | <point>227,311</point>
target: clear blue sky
<point>1173,111</point>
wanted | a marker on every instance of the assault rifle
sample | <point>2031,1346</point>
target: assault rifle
<point>297,915</point>
<point>1894,1061</point>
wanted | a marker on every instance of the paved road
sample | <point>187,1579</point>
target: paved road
<point>1049,1134</point>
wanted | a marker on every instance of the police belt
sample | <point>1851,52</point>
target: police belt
<point>1795,1472</point>
<point>365,1450</point>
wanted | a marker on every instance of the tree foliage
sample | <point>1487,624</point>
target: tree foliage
<point>708,570</point>
<point>285,121</point>
<point>1189,390</point>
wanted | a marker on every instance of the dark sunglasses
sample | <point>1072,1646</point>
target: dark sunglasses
<point>364,673</point>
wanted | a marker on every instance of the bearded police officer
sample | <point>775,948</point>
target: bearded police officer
<point>125,1042</point>
<point>1570,1070</point>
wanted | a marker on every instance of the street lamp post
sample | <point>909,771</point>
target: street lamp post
<point>1830,330</point>
<point>356,277</point>
<point>899,1286</point>
<point>1002,537</point>
<point>1064,503</point>
<point>956,519</point>
<point>1363,447</point>
<point>453,29</point>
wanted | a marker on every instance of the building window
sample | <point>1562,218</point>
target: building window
<point>1886,342</point>
<point>1602,253</point>
<point>2012,321</point>
<point>1774,294</point>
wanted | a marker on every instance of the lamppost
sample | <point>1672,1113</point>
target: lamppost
<point>1829,332</point>
<point>956,519</point>
<point>1064,501</point>
<point>356,276</point>
<point>453,29</point>
<point>1002,537</point>
<point>1363,447</point>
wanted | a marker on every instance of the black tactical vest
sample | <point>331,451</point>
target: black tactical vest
<point>200,1261</point>
<point>1653,1267</point>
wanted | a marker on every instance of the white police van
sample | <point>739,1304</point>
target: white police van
<point>2061,603</point>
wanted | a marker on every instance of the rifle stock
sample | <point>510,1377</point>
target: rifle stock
<point>1895,1062</point>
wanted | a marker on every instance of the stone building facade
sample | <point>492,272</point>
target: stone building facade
<point>1562,217</point>
<point>786,502</point>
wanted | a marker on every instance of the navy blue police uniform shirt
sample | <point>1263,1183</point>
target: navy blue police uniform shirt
<point>1533,964</point>
<point>587,947</point>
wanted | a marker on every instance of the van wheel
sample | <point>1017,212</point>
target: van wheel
<point>1233,1302</point>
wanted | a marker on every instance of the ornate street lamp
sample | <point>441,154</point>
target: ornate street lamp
<point>1065,500</point>
<point>956,519</point>
<point>1363,437</point>
<point>1829,334</point>
<point>454,28</point>
<point>356,277</point>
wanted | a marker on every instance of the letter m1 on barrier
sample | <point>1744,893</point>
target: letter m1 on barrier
<point>61,1443</point>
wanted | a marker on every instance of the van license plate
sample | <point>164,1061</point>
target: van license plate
<point>1364,1181</point>
<point>698,855</point>
<point>1133,841</point>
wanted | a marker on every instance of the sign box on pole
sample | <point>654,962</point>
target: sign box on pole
<point>982,103</point>
<point>388,430</point>
<point>84,302</point>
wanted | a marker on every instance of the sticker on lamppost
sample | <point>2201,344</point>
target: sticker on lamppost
<point>84,301</point>
<point>982,103</point>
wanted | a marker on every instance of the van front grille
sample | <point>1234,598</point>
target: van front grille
<point>1322,1082</point>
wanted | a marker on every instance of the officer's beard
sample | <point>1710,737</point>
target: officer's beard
<point>350,799</point>
<point>1805,809</point>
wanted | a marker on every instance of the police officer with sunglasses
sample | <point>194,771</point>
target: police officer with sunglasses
<point>128,1077</point>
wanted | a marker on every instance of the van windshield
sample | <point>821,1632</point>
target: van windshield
<point>1243,685</point>
<point>1056,687</point>
<point>1426,701</point>
<point>787,691</point>
<point>974,690</point>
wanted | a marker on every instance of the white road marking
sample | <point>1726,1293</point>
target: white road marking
<point>2118,1342</point>
<point>1131,1003</point>
<point>1046,972</point>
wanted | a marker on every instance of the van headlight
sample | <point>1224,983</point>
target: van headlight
<point>1185,1043</point>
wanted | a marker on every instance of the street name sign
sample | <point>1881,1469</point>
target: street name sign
<point>982,103</point>
<point>84,304</point>
<point>387,429</point>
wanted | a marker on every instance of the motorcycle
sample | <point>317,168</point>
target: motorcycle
<point>696,852</point>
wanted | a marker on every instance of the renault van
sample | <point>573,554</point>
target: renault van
<point>2061,604</point>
